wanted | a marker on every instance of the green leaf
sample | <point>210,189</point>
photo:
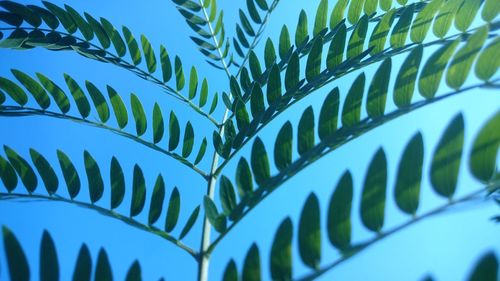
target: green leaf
<point>33,87</point>
<point>490,11</point>
<point>380,32</point>
<point>313,66</point>
<point>201,151</point>
<point>443,20</point>
<point>118,107</point>
<point>15,40</point>
<point>216,220</point>
<point>407,190</point>
<point>305,136</point>
<point>370,7</point>
<point>115,37</point>
<point>187,146</point>
<point>374,189</point>
<point>193,83</point>
<point>83,267</point>
<point>337,47</point>
<point>203,93</point>
<point>49,266</point>
<point>8,175</point>
<point>23,169</point>
<point>355,11</point>
<point>231,272</point>
<point>26,13</point>
<point>328,117</point>
<point>483,157</point>
<point>385,5</point>
<point>158,126</point>
<point>274,86</point>
<point>357,39</point>
<point>70,174</point>
<point>149,54</point>
<point>338,11</point>
<point>95,183</point>
<point>488,61</point>
<point>432,72</point>
<point>235,88</point>
<point>283,147</point>
<point>133,46</point>
<point>260,162</point>
<point>12,19</point>
<point>257,102</point>
<point>269,53</point>
<point>245,23</point>
<point>407,75</point>
<point>351,112</point>
<point>466,14</point>
<point>16,259</point>
<point>98,30</point>
<point>486,269</point>
<point>174,206</point>
<point>57,93</point>
<point>462,61</point>
<point>251,266</point>
<point>285,44</point>
<point>423,21</point>
<point>66,20</point>
<point>244,180</point>
<point>402,27</point>
<point>190,222</point>
<point>82,103</point>
<point>80,22</point>
<point>138,192</point>
<point>377,92</point>
<point>134,272</point>
<point>46,171</point>
<point>103,268</point>
<point>179,74</point>
<point>174,131</point>
<point>292,74</point>
<point>310,233</point>
<point>281,252</point>
<point>339,213</point>
<point>447,157</point>
<point>252,10</point>
<point>227,196</point>
<point>99,101</point>
<point>301,33</point>
<point>255,68</point>
<point>117,183</point>
<point>139,115</point>
<point>157,198</point>
<point>321,17</point>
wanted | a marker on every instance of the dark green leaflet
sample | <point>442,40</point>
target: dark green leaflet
<point>16,259</point>
<point>251,266</point>
<point>96,185</point>
<point>339,213</point>
<point>281,252</point>
<point>46,171</point>
<point>138,192</point>
<point>83,267</point>
<point>23,169</point>
<point>49,266</point>
<point>70,174</point>
<point>117,183</point>
<point>309,233</point>
<point>374,190</point>
<point>405,80</point>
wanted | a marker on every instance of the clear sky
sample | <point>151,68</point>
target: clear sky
<point>445,245</point>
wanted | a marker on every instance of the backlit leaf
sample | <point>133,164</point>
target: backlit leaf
<point>374,190</point>
<point>139,115</point>
<point>305,134</point>
<point>138,192</point>
<point>23,169</point>
<point>281,252</point>
<point>94,178</point>
<point>70,174</point>
<point>174,206</point>
<point>483,157</point>
<point>259,162</point>
<point>351,112</point>
<point>310,233</point>
<point>407,75</point>
<point>117,183</point>
<point>339,213</point>
<point>283,147</point>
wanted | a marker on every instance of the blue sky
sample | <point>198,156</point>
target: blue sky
<point>446,245</point>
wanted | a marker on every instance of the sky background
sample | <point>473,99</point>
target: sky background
<point>446,245</point>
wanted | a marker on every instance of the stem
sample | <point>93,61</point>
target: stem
<point>26,111</point>
<point>109,213</point>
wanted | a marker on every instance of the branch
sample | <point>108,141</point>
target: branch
<point>16,111</point>
<point>106,212</point>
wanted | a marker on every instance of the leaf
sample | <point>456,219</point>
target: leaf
<point>8,175</point>
<point>231,272</point>
<point>423,21</point>
<point>313,66</point>
<point>117,183</point>
<point>380,32</point>
<point>305,136</point>
<point>443,20</point>
<point>274,86</point>
<point>374,189</point>
<point>227,196</point>
<point>190,222</point>
<point>57,93</point>
<point>15,39</point>
<point>338,12</point>
<point>201,151</point>
<point>174,206</point>
<point>235,88</point>
<point>254,65</point>
<point>257,107</point>
<point>193,83</point>
<point>33,87</point>
<point>281,252</point>
<point>259,162</point>
<point>466,14</point>
<point>139,115</point>
<point>70,174</point>
<point>115,37</point>
<point>432,72</point>
<point>242,118</point>
<point>244,180</point>
<point>283,147</point>
<point>385,5</point>
<point>321,17</point>
<point>103,268</point>
<point>22,168</point>
<point>251,266</point>
<point>188,142</point>
<point>80,22</point>
<point>46,171</point>
<point>483,157</point>
<point>49,266</point>
<point>118,107</point>
<point>351,112</point>
<point>284,45</point>
<point>490,11</point>
<point>99,31</point>
<point>216,220</point>
<point>179,74</point>
<point>301,33</point>
<point>95,183</point>
<point>134,272</point>
<point>488,61</point>
<point>355,11</point>
<point>16,259</point>
<point>245,23</point>
<point>149,54</point>
<point>407,190</point>
<point>66,20</point>
<point>138,192</point>
<point>99,102</point>
<point>357,39</point>
<point>26,13</point>
<point>402,27</point>
<point>174,131</point>
<point>269,53</point>
<point>337,47</point>
<point>405,80</point>
<point>339,213</point>
<point>309,233</point>
<point>83,267</point>
<point>133,46</point>
<point>463,59</point>
<point>370,7</point>
<point>486,269</point>
<point>377,92</point>
<point>81,101</point>
<point>292,74</point>
<point>252,10</point>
